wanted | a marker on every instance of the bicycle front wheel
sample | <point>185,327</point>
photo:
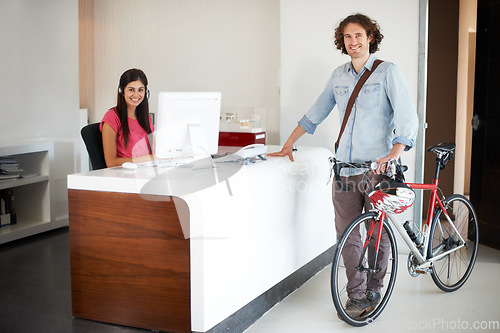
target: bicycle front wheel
<point>355,269</point>
<point>450,272</point>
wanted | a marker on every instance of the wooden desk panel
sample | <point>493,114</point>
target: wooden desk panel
<point>130,262</point>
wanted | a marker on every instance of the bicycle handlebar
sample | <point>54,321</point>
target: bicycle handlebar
<point>393,170</point>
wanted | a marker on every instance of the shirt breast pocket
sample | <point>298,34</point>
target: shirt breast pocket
<point>341,96</point>
<point>369,96</point>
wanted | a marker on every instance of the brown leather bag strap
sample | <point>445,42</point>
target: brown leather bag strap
<point>353,97</point>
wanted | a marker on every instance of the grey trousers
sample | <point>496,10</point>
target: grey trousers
<point>349,205</point>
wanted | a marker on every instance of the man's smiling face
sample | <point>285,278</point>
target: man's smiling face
<point>356,42</point>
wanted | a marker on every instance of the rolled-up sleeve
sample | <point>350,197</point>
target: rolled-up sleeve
<point>405,115</point>
<point>320,109</point>
<point>307,125</point>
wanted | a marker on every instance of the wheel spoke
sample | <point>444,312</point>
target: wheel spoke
<point>364,276</point>
<point>450,272</point>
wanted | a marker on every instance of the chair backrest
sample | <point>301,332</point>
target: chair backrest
<point>92,137</point>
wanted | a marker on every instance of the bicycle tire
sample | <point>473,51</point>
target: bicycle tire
<point>339,270</point>
<point>453,270</point>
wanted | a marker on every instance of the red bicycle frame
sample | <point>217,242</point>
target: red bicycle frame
<point>433,188</point>
<point>433,203</point>
<point>434,197</point>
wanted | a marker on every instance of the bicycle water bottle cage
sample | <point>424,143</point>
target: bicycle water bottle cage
<point>444,151</point>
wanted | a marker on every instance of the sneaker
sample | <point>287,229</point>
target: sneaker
<point>357,308</point>
<point>373,298</point>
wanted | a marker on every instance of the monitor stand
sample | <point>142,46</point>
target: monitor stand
<point>199,147</point>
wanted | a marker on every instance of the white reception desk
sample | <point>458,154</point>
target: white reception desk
<point>240,232</point>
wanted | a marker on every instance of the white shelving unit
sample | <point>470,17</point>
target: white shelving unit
<point>34,196</point>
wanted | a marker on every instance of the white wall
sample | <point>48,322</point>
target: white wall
<point>39,57</point>
<point>39,86</point>
<point>230,46</point>
<point>308,55</point>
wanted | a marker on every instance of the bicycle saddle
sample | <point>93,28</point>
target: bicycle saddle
<point>442,148</point>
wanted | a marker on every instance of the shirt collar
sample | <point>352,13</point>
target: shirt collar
<point>368,64</point>
<point>370,61</point>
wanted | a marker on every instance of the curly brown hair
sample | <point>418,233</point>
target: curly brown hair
<point>371,27</point>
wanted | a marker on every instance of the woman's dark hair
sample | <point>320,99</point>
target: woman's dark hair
<point>371,27</point>
<point>142,110</point>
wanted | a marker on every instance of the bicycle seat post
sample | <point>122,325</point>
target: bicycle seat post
<point>444,152</point>
<point>438,167</point>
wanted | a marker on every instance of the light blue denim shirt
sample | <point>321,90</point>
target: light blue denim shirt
<point>383,114</point>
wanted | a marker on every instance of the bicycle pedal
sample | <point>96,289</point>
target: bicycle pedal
<point>419,271</point>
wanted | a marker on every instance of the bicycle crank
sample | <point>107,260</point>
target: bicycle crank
<point>411,264</point>
<point>414,269</point>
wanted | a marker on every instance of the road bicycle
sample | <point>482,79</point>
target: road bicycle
<point>445,247</point>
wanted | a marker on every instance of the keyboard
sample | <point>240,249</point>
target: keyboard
<point>166,163</point>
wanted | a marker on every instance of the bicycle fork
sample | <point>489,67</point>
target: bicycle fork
<point>378,223</point>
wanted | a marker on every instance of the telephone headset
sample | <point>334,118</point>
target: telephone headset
<point>120,91</point>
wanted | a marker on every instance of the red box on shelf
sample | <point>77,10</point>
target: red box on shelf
<point>241,139</point>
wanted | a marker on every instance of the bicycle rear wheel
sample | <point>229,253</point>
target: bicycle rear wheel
<point>451,272</point>
<point>364,267</point>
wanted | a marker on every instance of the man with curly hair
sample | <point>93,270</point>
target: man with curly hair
<point>382,124</point>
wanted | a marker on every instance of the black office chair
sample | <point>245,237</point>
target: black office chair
<point>92,137</point>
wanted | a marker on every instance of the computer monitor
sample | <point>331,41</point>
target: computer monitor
<point>187,124</point>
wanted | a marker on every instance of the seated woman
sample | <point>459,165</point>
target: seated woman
<point>125,128</point>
